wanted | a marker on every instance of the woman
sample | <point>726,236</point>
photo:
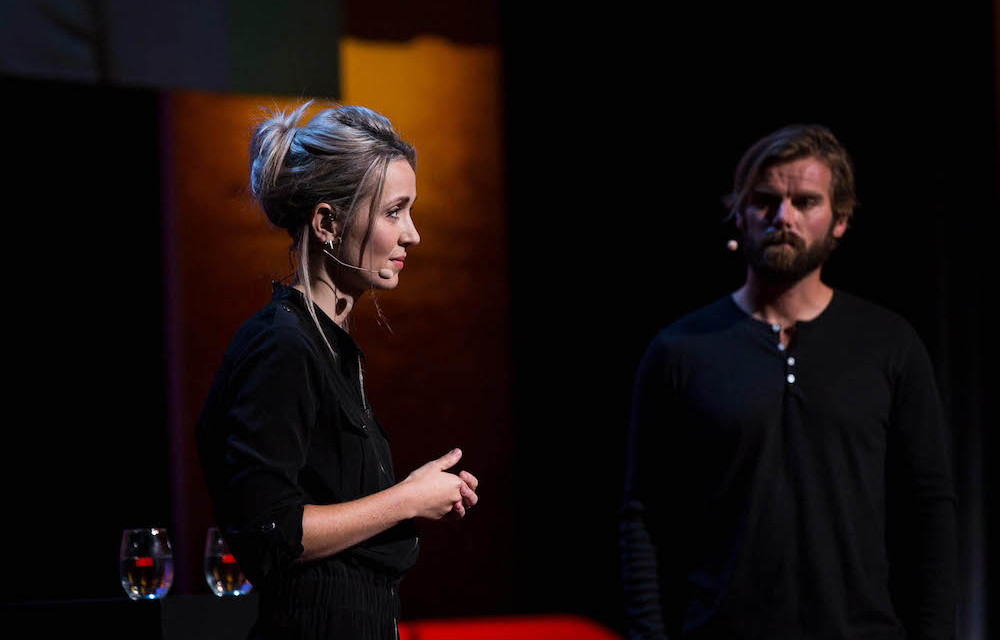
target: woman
<point>298,468</point>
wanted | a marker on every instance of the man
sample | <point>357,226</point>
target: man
<point>781,433</point>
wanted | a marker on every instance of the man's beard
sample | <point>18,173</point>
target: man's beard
<point>780,263</point>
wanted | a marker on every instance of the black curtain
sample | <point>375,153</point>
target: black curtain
<point>87,450</point>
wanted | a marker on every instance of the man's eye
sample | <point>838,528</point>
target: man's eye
<point>762,201</point>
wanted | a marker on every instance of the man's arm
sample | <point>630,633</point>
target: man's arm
<point>639,575</point>
<point>640,571</point>
<point>923,451</point>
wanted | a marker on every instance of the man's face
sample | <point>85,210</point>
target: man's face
<point>787,224</point>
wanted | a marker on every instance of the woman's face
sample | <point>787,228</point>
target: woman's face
<point>383,254</point>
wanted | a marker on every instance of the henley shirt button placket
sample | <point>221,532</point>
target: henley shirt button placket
<point>776,328</point>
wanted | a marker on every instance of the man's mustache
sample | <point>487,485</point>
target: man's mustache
<point>783,237</point>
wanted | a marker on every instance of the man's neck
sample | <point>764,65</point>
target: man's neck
<point>786,303</point>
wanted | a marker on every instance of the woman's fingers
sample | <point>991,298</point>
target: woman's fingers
<point>469,479</point>
<point>469,497</point>
<point>448,460</point>
<point>435,470</point>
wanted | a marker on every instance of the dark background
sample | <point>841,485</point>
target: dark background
<point>622,131</point>
<point>619,159</point>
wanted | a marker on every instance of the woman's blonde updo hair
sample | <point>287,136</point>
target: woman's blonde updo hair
<point>340,157</point>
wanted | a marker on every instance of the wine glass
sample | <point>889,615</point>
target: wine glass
<point>146,563</point>
<point>222,574</point>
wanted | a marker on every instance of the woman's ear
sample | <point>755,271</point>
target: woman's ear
<point>325,225</point>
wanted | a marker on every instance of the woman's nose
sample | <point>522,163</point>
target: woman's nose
<point>410,236</point>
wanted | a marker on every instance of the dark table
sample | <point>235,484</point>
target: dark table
<point>181,617</point>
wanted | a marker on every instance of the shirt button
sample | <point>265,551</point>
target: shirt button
<point>776,328</point>
<point>781,347</point>
<point>791,362</point>
<point>791,378</point>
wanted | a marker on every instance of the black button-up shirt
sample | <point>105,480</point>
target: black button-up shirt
<point>286,424</point>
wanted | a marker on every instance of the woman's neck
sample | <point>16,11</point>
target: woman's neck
<point>334,302</point>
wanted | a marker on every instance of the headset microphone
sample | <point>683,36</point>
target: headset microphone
<point>732,245</point>
<point>384,273</point>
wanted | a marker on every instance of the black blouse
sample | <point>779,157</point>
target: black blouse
<point>285,425</point>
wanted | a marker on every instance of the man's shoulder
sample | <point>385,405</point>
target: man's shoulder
<point>704,329</point>
<point>871,317</point>
<point>715,316</point>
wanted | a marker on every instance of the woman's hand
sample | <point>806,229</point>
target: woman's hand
<point>469,496</point>
<point>437,493</point>
<point>429,492</point>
